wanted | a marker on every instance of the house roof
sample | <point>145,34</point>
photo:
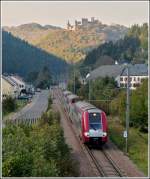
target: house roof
<point>136,70</point>
<point>17,80</point>
<point>119,70</point>
<point>82,105</point>
<point>11,82</point>
<point>106,70</point>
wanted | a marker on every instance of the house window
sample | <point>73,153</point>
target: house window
<point>134,78</point>
<point>121,79</point>
<point>125,79</point>
<point>130,78</point>
<point>138,78</point>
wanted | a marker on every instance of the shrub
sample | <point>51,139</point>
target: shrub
<point>37,151</point>
<point>9,105</point>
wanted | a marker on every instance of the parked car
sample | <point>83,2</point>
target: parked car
<point>27,97</point>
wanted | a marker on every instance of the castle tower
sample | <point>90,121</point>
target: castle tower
<point>68,25</point>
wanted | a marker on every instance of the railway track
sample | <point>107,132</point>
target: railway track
<point>104,163</point>
<point>101,160</point>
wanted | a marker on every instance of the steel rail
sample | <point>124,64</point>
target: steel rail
<point>117,169</point>
<point>97,164</point>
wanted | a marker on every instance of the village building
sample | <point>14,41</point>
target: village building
<point>9,88</point>
<point>83,24</point>
<point>137,72</point>
<point>19,82</point>
<point>12,86</point>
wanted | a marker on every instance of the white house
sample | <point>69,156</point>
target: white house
<point>19,82</point>
<point>9,88</point>
<point>137,72</point>
<point>12,85</point>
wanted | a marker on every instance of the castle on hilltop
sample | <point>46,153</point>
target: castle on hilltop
<point>83,24</point>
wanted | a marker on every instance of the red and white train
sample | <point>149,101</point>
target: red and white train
<point>90,121</point>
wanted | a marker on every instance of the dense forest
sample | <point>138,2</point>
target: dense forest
<point>21,58</point>
<point>41,79</point>
<point>133,48</point>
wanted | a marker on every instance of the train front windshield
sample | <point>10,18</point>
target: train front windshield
<point>95,121</point>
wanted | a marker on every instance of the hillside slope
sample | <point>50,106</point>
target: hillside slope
<point>21,58</point>
<point>69,45</point>
<point>132,48</point>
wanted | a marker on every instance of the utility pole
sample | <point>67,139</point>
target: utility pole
<point>127,108</point>
<point>89,85</point>
<point>74,80</point>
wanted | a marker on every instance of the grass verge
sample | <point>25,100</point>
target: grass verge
<point>138,143</point>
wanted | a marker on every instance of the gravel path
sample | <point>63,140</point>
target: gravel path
<point>123,161</point>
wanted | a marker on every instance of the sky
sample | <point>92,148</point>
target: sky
<point>58,13</point>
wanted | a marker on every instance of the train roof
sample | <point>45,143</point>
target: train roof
<point>72,96</point>
<point>66,92</point>
<point>95,110</point>
<point>84,105</point>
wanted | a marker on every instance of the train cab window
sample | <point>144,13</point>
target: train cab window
<point>95,121</point>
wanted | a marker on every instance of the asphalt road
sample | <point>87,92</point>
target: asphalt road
<point>34,109</point>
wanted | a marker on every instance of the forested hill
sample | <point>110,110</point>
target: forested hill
<point>21,58</point>
<point>133,48</point>
<point>69,45</point>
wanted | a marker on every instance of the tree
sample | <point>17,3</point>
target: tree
<point>21,58</point>
<point>44,78</point>
<point>76,82</point>
<point>32,77</point>
<point>37,151</point>
<point>9,105</point>
<point>139,106</point>
<point>133,47</point>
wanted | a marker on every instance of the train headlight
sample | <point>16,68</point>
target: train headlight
<point>104,134</point>
<point>86,134</point>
